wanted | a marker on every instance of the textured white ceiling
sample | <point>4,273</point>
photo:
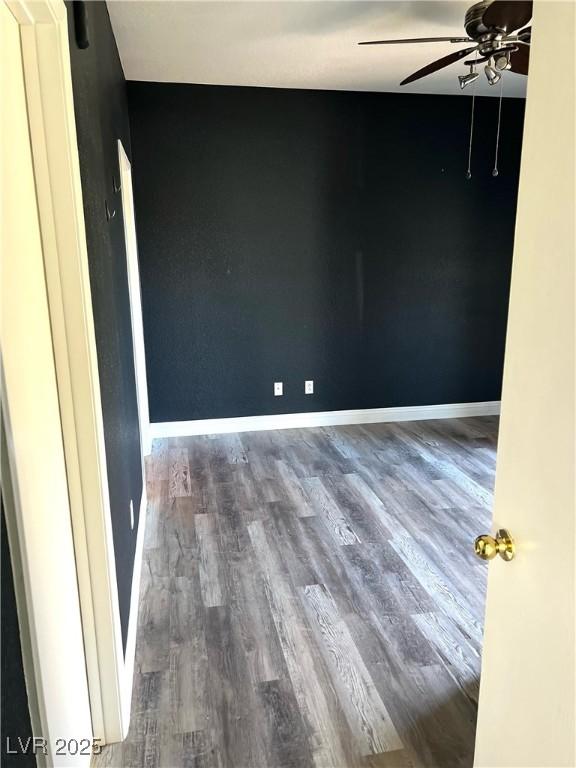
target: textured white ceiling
<point>292,44</point>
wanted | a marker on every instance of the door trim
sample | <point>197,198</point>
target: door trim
<point>133,274</point>
<point>34,471</point>
<point>135,294</point>
<point>46,59</point>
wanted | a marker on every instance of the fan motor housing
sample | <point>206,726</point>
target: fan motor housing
<point>473,24</point>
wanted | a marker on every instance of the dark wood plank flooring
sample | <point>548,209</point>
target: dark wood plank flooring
<point>310,598</point>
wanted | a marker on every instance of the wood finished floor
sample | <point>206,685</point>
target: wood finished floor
<point>310,598</point>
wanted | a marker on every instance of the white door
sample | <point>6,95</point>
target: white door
<point>526,711</point>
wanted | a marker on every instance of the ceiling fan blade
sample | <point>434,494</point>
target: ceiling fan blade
<point>439,64</point>
<point>419,40</point>
<point>520,59</point>
<point>508,15</point>
<point>525,34</point>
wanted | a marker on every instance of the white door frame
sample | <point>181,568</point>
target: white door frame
<point>135,299</point>
<point>34,476</point>
<point>46,60</point>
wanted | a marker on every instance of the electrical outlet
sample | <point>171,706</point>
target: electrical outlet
<point>278,389</point>
<point>131,514</point>
<point>309,387</point>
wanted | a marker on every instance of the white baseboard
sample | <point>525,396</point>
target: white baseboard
<point>322,419</point>
<point>130,651</point>
<point>145,439</point>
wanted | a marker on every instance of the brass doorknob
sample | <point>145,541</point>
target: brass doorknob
<point>487,547</point>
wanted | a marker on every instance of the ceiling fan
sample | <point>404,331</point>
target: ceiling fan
<point>491,26</point>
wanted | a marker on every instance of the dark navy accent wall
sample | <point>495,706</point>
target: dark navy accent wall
<point>101,119</point>
<point>287,235</point>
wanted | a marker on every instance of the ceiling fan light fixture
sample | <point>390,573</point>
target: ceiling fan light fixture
<point>465,80</point>
<point>502,62</point>
<point>492,75</point>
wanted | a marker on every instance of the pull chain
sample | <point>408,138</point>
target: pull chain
<point>469,171</point>
<point>495,169</point>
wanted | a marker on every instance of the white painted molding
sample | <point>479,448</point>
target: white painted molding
<point>46,60</point>
<point>322,419</point>
<point>133,618</point>
<point>42,506</point>
<point>133,272</point>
